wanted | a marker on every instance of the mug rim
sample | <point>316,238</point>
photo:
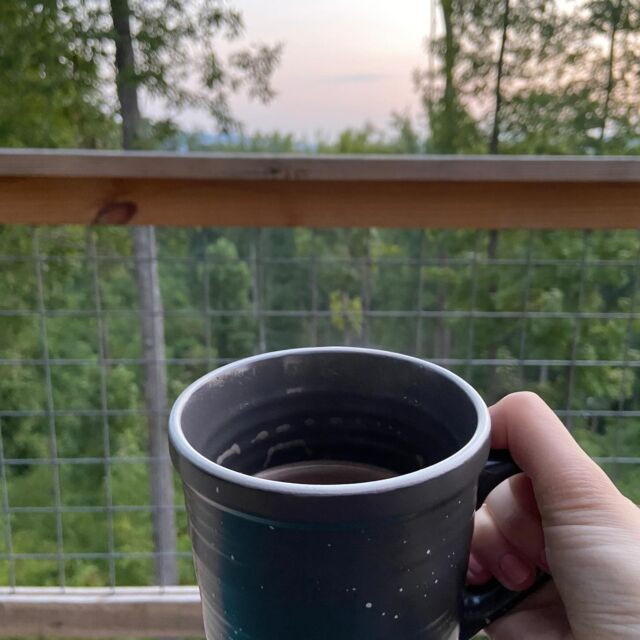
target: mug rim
<point>186,450</point>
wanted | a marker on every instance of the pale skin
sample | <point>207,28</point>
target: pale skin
<point>563,515</point>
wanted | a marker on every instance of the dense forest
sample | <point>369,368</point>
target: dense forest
<point>507,76</point>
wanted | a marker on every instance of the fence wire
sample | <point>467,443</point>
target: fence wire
<point>553,312</point>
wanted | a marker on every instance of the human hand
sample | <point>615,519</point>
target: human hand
<point>562,515</point>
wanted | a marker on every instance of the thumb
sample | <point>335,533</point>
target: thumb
<point>568,485</point>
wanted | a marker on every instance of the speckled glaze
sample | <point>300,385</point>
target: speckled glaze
<point>380,560</point>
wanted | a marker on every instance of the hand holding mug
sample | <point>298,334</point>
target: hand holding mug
<point>566,516</point>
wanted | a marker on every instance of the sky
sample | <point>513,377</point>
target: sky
<point>345,62</point>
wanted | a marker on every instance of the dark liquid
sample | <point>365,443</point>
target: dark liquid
<point>326,472</point>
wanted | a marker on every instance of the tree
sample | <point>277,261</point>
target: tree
<point>616,21</point>
<point>380,287</point>
<point>59,53</point>
<point>536,78</point>
<point>151,315</point>
<point>52,95</point>
<point>590,106</point>
<point>162,32</point>
<point>452,128</point>
<point>532,76</point>
<point>402,137</point>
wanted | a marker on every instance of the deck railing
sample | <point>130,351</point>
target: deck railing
<point>567,227</point>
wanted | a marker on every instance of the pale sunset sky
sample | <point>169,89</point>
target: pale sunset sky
<point>344,62</point>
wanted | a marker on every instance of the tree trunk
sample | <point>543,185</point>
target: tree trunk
<point>610,79</point>
<point>125,73</point>
<point>492,254</point>
<point>314,290</point>
<point>258,289</point>
<point>366,290</point>
<point>450,53</point>
<point>494,143</point>
<point>155,394</point>
<point>442,334</point>
<point>420,294</point>
<point>495,132</point>
<point>430,52</point>
<point>151,319</point>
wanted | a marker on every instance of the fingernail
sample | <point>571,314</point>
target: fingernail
<point>475,568</point>
<point>514,568</point>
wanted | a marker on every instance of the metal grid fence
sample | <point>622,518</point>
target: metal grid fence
<point>555,312</point>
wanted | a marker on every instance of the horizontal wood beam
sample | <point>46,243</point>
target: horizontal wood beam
<point>101,613</point>
<point>319,204</point>
<point>316,168</point>
<point>220,190</point>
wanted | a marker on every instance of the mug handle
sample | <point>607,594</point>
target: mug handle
<point>484,604</point>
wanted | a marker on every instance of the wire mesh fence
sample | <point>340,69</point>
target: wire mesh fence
<point>554,312</point>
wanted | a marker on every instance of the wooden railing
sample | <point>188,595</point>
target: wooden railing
<point>54,187</point>
<point>47,187</point>
<point>168,612</point>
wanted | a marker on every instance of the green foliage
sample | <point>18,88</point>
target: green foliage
<point>165,32</point>
<point>212,281</point>
<point>52,93</point>
<point>225,290</point>
<point>346,314</point>
<point>453,129</point>
<point>402,138</point>
<point>567,80</point>
<point>56,66</point>
<point>229,290</point>
<point>274,142</point>
<point>167,68</point>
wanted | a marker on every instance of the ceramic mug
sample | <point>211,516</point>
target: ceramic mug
<point>331,493</point>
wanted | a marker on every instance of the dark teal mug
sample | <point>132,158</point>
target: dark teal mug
<point>331,494</point>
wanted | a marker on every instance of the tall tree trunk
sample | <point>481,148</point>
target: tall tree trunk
<point>258,289</point>
<point>151,318</point>
<point>433,22</point>
<point>366,289</point>
<point>610,79</point>
<point>314,289</point>
<point>495,132</point>
<point>492,254</point>
<point>125,73</point>
<point>155,394</point>
<point>442,334</point>
<point>450,53</point>
<point>448,144</point>
<point>494,143</point>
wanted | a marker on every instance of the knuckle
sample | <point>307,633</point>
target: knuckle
<point>525,398</point>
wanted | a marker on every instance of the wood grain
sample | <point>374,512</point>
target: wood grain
<point>315,168</point>
<point>101,613</point>
<point>473,204</point>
